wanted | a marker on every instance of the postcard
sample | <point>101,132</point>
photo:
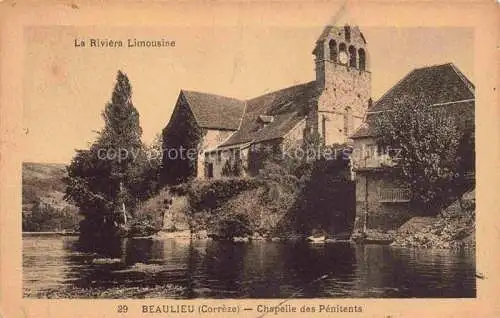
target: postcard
<point>282,158</point>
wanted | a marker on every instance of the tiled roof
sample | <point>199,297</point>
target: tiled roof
<point>328,29</point>
<point>215,111</point>
<point>443,85</point>
<point>287,106</point>
<point>365,130</point>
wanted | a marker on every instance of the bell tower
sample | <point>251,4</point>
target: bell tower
<point>343,74</point>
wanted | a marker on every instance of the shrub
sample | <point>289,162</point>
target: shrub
<point>232,225</point>
<point>210,195</point>
<point>44,217</point>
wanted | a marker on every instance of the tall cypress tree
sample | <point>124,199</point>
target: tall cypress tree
<point>99,179</point>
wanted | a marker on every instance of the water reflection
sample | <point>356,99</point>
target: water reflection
<point>256,270</point>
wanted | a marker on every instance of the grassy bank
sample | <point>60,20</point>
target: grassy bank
<point>227,208</point>
<point>274,204</point>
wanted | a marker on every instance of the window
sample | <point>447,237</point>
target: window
<point>333,50</point>
<point>342,47</point>
<point>394,195</point>
<point>210,170</point>
<point>381,150</point>
<point>323,128</point>
<point>370,151</point>
<point>352,56</point>
<point>348,121</point>
<point>362,59</point>
<point>343,58</point>
<point>347,33</point>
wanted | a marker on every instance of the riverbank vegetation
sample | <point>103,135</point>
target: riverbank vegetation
<point>453,228</point>
<point>288,197</point>
<point>107,181</point>
<point>43,206</point>
<point>125,188</point>
<point>432,148</point>
<point>44,217</point>
<point>119,292</point>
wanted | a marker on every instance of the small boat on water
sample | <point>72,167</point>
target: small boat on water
<point>316,239</point>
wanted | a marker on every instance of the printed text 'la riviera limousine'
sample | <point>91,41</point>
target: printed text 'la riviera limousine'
<point>130,42</point>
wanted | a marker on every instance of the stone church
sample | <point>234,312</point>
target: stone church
<point>230,130</point>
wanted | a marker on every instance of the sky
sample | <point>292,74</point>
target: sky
<point>66,88</point>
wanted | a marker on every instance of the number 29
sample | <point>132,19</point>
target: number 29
<point>122,309</point>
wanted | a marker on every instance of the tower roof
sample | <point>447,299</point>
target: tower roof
<point>338,33</point>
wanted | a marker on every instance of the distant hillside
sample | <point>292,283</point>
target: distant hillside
<point>44,208</point>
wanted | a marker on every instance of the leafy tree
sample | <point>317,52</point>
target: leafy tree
<point>326,199</point>
<point>308,184</point>
<point>146,178</point>
<point>102,181</point>
<point>44,217</point>
<point>154,152</point>
<point>424,142</point>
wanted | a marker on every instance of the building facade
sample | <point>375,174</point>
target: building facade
<point>382,200</point>
<point>231,131</point>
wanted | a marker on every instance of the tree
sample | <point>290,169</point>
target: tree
<point>102,180</point>
<point>44,217</point>
<point>308,184</point>
<point>146,181</point>
<point>423,141</point>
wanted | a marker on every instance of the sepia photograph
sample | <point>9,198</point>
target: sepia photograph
<point>220,159</point>
<point>352,176</point>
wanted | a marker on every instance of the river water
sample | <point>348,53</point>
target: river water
<point>259,269</point>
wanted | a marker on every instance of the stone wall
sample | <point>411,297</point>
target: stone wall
<point>350,88</point>
<point>175,217</point>
<point>296,135</point>
<point>381,215</point>
<point>210,141</point>
<point>346,88</point>
<point>337,35</point>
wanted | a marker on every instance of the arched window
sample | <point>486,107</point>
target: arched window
<point>333,50</point>
<point>362,59</point>
<point>352,56</point>
<point>347,32</point>
<point>343,58</point>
